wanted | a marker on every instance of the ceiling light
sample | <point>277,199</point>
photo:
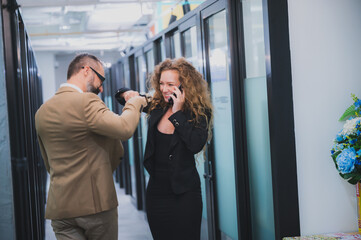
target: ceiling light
<point>113,1</point>
<point>64,27</point>
<point>107,64</point>
<point>114,16</point>
<point>50,9</point>
<point>82,8</point>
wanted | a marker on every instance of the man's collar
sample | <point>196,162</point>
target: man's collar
<point>72,86</point>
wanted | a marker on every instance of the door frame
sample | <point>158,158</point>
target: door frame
<point>280,108</point>
<point>244,227</point>
<point>138,143</point>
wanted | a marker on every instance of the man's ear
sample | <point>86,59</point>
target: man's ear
<point>85,71</point>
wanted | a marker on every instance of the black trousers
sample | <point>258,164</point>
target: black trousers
<point>172,216</point>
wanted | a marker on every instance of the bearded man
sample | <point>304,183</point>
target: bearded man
<point>80,142</point>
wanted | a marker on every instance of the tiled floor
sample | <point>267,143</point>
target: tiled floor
<point>132,223</point>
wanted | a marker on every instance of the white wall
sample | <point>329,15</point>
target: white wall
<point>46,65</point>
<point>325,43</point>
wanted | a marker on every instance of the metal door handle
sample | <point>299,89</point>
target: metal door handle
<point>206,176</point>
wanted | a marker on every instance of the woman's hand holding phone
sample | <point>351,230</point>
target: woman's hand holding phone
<point>177,99</point>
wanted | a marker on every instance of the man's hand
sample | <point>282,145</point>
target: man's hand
<point>129,94</point>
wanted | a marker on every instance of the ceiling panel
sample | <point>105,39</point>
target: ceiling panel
<point>65,25</point>
<point>123,16</point>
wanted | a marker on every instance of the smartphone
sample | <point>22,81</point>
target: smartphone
<point>171,99</point>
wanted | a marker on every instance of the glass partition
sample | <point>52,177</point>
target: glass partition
<point>142,73</point>
<point>149,63</point>
<point>162,50</point>
<point>142,89</point>
<point>189,51</point>
<point>107,90</point>
<point>256,109</point>
<point>132,167</point>
<point>177,45</point>
<point>189,38</point>
<point>223,146</point>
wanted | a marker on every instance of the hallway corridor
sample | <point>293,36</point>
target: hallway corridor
<point>132,224</point>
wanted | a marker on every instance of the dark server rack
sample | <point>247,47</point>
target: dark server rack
<point>24,95</point>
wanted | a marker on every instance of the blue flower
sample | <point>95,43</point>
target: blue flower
<point>359,152</point>
<point>358,132</point>
<point>339,138</point>
<point>338,147</point>
<point>332,151</point>
<point>357,104</point>
<point>352,141</point>
<point>346,160</point>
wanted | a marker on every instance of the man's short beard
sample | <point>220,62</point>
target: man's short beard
<point>91,88</point>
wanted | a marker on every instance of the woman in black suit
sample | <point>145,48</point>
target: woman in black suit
<point>176,132</point>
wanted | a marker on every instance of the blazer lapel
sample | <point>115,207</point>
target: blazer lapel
<point>155,117</point>
<point>174,141</point>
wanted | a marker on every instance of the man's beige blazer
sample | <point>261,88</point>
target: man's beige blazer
<point>79,139</point>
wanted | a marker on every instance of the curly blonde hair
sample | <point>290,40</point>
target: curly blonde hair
<point>197,95</point>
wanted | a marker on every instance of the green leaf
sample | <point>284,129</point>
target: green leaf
<point>350,112</point>
<point>348,175</point>
<point>352,178</point>
<point>354,98</point>
<point>355,179</point>
<point>335,154</point>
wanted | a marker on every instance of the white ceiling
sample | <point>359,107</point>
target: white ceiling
<point>83,25</point>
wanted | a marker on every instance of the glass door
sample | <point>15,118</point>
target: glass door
<point>257,122</point>
<point>221,163</point>
<point>159,48</point>
<point>172,45</point>
<point>121,77</point>
<point>189,44</point>
<point>188,49</point>
<point>149,65</point>
<point>140,72</point>
<point>128,66</point>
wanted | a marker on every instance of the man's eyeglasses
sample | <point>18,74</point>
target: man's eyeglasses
<point>98,74</point>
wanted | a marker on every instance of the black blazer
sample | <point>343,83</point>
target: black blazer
<point>186,141</point>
